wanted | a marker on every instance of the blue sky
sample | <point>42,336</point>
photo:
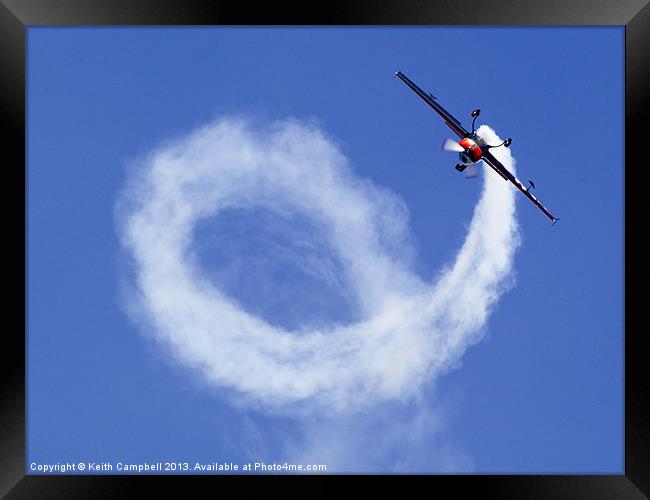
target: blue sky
<point>542,392</point>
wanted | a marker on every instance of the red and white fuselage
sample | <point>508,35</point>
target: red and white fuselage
<point>471,153</point>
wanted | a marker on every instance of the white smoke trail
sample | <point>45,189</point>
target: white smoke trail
<point>410,330</point>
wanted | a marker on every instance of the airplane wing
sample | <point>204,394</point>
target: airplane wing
<point>451,122</point>
<point>503,172</point>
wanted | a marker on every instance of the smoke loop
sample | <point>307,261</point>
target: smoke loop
<point>410,330</point>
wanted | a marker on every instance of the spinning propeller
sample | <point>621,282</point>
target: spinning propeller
<point>453,146</point>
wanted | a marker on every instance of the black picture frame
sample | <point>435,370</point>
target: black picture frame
<point>17,15</point>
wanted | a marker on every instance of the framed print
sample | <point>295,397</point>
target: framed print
<point>394,241</point>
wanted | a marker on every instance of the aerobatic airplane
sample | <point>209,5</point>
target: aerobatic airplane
<point>471,148</point>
